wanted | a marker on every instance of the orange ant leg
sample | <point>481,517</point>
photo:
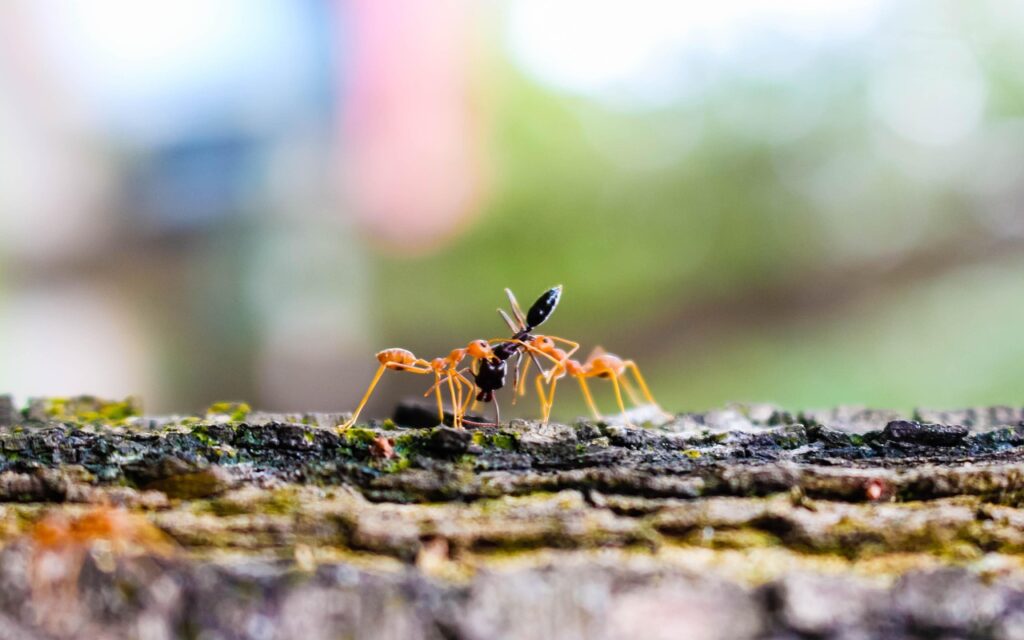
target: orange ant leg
<point>456,417</point>
<point>618,395</point>
<point>470,389</point>
<point>437,392</point>
<point>630,391</point>
<point>373,383</point>
<point>529,348</point>
<point>640,381</point>
<point>551,399</point>
<point>573,346</point>
<point>474,368</point>
<point>517,380</point>
<point>466,392</point>
<point>521,391</point>
<point>366,397</point>
<point>362,403</point>
<point>455,381</point>
<point>543,397</point>
<point>589,398</point>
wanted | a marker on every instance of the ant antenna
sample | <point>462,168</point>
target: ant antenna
<point>509,322</point>
<point>515,308</point>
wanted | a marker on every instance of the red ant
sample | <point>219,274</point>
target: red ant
<point>599,364</point>
<point>397,359</point>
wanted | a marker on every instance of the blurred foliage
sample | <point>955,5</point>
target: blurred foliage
<point>641,214</point>
<point>841,226</point>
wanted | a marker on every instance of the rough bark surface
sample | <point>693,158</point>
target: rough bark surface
<point>748,521</point>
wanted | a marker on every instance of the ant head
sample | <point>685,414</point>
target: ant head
<point>480,349</point>
<point>543,343</point>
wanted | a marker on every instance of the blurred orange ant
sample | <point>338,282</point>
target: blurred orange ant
<point>60,543</point>
<point>446,368</point>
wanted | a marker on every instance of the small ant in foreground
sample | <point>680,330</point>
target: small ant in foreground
<point>397,359</point>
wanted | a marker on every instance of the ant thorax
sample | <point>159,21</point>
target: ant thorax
<point>573,367</point>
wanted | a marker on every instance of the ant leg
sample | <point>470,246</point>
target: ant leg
<point>470,392</point>
<point>466,392</point>
<point>589,398</point>
<point>640,381</point>
<point>497,411</point>
<point>630,391</point>
<point>437,392</point>
<point>542,395</point>
<point>515,377</point>
<point>533,351</point>
<point>533,357</point>
<point>573,346</point>
<point>521,390</point>
<point>362,403</point>
<point>411,368</point>
<point>456,418</point>
<point>618,396</point>
<point>551,400</point>
<point>431,389</point>
<point>456,390</point>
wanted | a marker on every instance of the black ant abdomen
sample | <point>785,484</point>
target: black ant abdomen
<point>543,307</point>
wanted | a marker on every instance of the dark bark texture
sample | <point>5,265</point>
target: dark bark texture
<point>744,522</point>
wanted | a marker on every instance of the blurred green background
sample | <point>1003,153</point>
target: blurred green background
<point>795,202</point>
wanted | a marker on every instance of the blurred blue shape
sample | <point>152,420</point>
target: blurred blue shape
<point>165,69</point>
<point>193,183</point>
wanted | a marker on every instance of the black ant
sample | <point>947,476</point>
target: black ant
<point>491,373</point>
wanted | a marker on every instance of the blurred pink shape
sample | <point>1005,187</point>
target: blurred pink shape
<point>411,132</point>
